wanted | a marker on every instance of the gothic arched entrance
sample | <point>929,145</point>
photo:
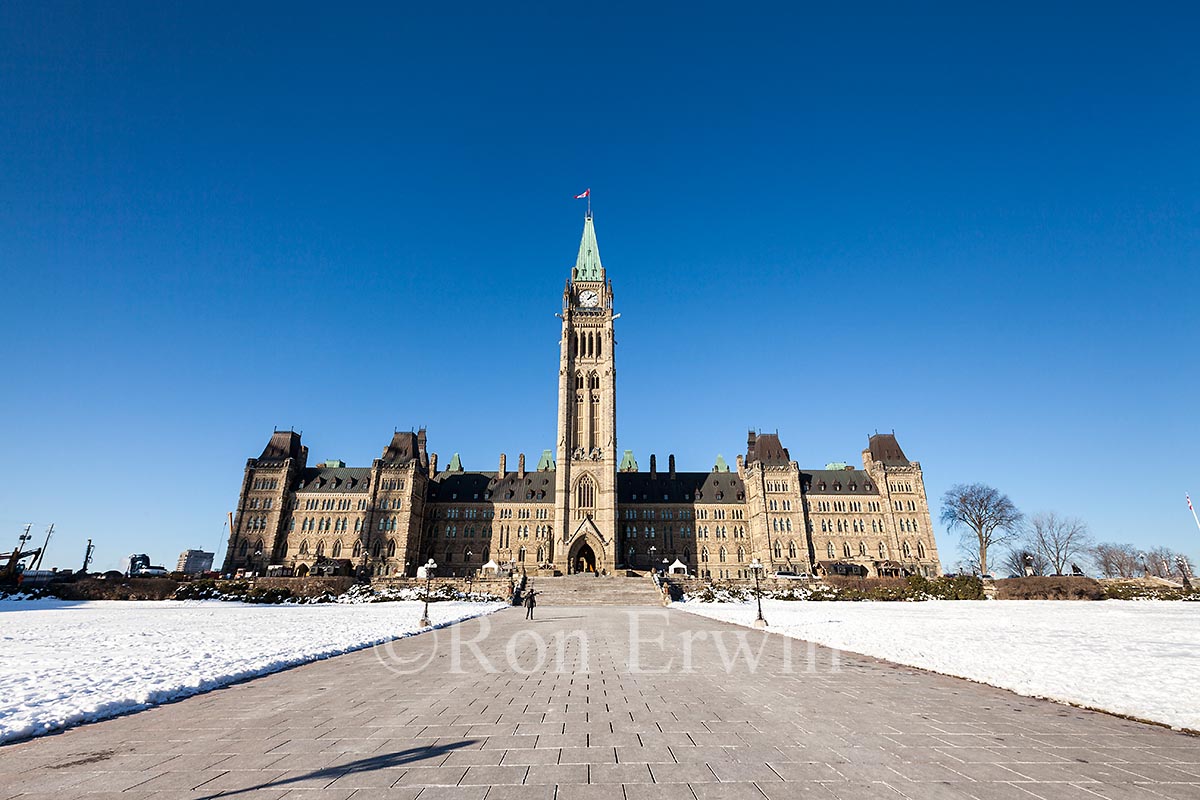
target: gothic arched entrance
<point>583,558</point>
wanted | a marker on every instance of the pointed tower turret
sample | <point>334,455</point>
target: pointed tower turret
<point>587,263</point>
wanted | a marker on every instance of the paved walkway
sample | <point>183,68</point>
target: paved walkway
<point>804,722</point>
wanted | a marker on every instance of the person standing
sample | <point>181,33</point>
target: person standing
<point>530,602</point>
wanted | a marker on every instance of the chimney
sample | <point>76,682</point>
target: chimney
<point>433,463</point>
<point>653,467</point>
<point>421,446</point>
<point>751,440</point>
<point>671,465</point>
<point>521,467</point>
<point>500,474</point>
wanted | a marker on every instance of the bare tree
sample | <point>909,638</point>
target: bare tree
<point>1117,560</point>
<point>1060,539</point>
<point>985,516</point>
<point>1015,561</point>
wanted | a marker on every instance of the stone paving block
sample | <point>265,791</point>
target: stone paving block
<point>557,774</point>
<point>518,793</point>
<point>658,791</point>
<point>587,755</point>
<point>528,756</point>
<point>432,776</point>
<point>612,774</point>
<point>682,773</point>
<point>727,791</point>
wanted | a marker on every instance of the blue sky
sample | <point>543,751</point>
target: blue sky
<point>978,228</point>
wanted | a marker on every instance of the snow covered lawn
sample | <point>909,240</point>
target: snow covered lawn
<point>1136,658</point>
<point>62,663</point>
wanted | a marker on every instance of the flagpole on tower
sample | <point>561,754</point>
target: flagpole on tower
<point>1193,509</point>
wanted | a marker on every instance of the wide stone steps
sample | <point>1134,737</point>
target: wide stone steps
<point>590,590</point>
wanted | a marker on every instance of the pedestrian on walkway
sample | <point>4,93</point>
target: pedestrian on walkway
<point>530,602</point>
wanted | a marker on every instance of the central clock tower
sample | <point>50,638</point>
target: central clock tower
<point>585,513</point>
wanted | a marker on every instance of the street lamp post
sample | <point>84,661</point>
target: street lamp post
<point>653,549</point>
<point>1145,565</point>
<point>470,574</point>
<point>430,566</point>
<point>757,567</point>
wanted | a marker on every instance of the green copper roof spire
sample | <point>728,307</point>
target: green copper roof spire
<point>587,264</point>
<point>628,463</point>
<point>455,464</point>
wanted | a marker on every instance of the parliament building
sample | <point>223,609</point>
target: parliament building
<point>585,505</point>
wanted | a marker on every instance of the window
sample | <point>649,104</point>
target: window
<point>846,549</point>
<point>337,549</point>
<point>585,493</point>
<point>778,551</point>
<point>791,549</point>
<point>391,548</point>
<point>829,551</point>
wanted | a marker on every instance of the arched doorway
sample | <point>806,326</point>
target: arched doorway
<point>302,571</point>
<point>583,558</point>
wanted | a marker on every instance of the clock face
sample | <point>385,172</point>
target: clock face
<point>589,298</point>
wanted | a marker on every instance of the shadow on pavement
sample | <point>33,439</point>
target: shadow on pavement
<point>369,764</point>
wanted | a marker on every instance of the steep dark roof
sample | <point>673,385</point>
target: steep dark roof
<point>402,449</point>
<point>838,481</point>
<point>886,450</point>
<point>283,445</point>
<point>335,480</point>
<point>767,448</point>
<point>474,487</point>
<point>713,487</point>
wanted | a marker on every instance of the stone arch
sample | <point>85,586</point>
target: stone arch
<point>588,550</point>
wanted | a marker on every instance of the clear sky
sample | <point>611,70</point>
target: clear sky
<point>980,229</point>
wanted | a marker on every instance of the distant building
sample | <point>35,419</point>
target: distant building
<point>192,562</point>
<point>586,506</point>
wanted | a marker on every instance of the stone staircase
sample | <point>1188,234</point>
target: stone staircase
<point>586,589</point>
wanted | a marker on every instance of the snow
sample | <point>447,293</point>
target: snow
<point>1140,659</point>
<point>63,663</point>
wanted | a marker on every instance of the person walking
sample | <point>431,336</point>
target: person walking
<point>530,602</point>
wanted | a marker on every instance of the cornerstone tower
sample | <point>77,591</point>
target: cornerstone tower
<point>585,509</point>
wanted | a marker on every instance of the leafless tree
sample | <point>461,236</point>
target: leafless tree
<point>983,515</point>
<point>1117,560</point>
<point>1015,561</point>
<point>1060,539</point>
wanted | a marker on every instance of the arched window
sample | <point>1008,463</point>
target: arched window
<point>585,492</point>
<point>829,551</point>
<point>337,549</point>
<point>882,550</point>
<point>721,555</point>
<point>778,551</point>
<point>791,549</point>
<point>320,549</point>
<point>243,547</point>
<point>391,549</point>
<point>687,555</point>
<point>741,554</point>
<point>541,555</point>
<point>704,554</point>
<point>449,558</point>
<point>376,547</point>
<point>920,550</point>
<point>521,555</point>
<point>904,548</point>
<point>357,549</point>
<point>846,549</point>
<point>304,547</point>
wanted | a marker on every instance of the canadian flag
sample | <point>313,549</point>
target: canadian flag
<point>586,193</point>
<point>1189,499</point>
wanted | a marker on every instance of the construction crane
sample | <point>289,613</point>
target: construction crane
<point>12,561</point>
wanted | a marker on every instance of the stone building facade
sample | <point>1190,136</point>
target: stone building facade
<point>582,507</point>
